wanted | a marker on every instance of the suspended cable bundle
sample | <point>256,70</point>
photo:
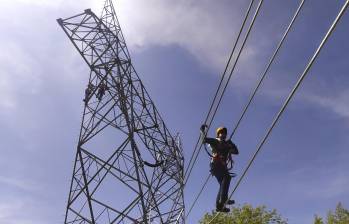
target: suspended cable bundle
<point>288,99</point>
<point>195,156</point>
<point>189,167</point>
<point>260,81</point>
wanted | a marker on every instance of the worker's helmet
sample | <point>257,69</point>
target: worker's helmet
<point>221,130</point>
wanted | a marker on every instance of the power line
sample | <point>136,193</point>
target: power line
<point>238,56</point>
<point>230,75</point>
<point>197,197</point>
<point>305,72</point>
<point>224,89</point>
<point>221,81</point>
<point>258,85</point>
<point>267,68</point>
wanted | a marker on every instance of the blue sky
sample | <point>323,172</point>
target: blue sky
<point>179,48</point>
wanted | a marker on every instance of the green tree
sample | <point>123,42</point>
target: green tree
<point>339,216</point>
<point>318,220</point>
<point>245,214</point>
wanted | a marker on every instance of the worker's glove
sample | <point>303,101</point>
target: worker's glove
<point>203,128</point>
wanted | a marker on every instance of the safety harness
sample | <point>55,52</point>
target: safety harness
<point>228,163</point>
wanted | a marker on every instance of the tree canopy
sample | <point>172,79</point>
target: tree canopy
<point>339,216</point>
<point>245,214</point>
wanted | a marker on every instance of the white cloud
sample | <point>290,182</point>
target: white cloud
<point>322,179</point>
<point>19,72</point>
<point>30,53</point>
<point>20,183</point>
<point>332,187</point>
<point>54,4</point>
<point>199,28</point>
<point>8,209</point>
<point>19,211</point>
<point>339,103</point>
<point>324,96</point>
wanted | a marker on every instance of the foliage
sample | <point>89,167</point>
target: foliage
<point>245,214</point>
<point>339,216</point>
<point>318,220</point>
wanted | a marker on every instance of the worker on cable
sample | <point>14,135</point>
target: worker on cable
<point>222,151</point>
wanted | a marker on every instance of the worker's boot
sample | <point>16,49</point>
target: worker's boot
<point>224,209</point>
<point>230,202</point>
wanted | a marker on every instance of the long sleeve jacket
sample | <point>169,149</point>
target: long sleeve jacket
<point>221,148</point>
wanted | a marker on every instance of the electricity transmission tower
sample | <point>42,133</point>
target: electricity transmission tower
<point>128,167</point>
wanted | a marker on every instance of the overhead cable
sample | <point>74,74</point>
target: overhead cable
<point>221,81</point>
<point>300,80</point>
<point>261,79</point>
<point>197,196</point>
<point>230,75</point>
<point>267,68</point>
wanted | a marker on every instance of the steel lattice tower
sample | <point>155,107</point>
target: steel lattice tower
<point>128,167</point>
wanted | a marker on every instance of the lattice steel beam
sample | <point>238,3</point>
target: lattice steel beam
<point>128,167</point>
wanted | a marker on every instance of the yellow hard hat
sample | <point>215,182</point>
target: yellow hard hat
<point>221,129</point>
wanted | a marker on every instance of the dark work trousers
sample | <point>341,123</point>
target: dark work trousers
<point>223,177</point>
